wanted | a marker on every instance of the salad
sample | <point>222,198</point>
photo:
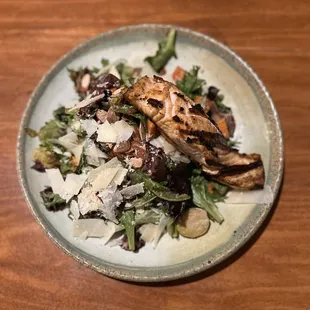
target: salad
<point>138,157</point>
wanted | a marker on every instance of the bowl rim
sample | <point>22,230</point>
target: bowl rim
<point>135,274</point>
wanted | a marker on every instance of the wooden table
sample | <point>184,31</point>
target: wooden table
<point>273,271</point>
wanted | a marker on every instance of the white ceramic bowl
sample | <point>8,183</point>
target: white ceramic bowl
<point>258,130</point>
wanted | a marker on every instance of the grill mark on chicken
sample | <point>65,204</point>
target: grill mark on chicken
<point>197,136</point>
<point>197,109</point>
<point>180,96</point>
<point>177,119</point>
<point>155,103</point>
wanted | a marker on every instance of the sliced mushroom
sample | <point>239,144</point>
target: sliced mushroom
<point>101,115</point>
<point>193,223</point>
<point>122,147</point>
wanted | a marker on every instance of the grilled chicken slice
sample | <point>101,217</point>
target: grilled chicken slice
<point>194,134</point>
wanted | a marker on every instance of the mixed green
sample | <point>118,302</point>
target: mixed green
<point>107,163</point>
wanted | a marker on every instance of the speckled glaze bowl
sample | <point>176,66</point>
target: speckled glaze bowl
<point>258,130</point>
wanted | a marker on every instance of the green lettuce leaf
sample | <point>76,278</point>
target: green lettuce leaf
<point>166,50</point>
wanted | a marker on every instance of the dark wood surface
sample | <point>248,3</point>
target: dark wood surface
<point>271,273</point>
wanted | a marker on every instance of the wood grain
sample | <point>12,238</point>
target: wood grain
<point>271,273</point>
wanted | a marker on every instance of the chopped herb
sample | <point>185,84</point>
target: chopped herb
<point>166,50</point>
<point>104,62</point>
<point>190,84</point>
<point>52,202</point>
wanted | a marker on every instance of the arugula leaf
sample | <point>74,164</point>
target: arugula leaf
<point>144,201</point>
<point>148,217</point>
<point>156,188</point>
<point>205,200</point>
<point>190,84</point>
<point>166,50</point>
<point>128,220</point>
<point>52,201</point>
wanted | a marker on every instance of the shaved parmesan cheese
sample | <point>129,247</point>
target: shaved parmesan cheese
<point>104,178</point>
<point>93,154</point>
<point>111,199</point>
<point>74,209</point>
<point>93,161</point>
<point>161,142</point>
<point>87,101</point>
<point>71,142</point>
<point>123,130</point>
<point>133,190</point>
<point>163,222</point>
<point>76,126</point>
<point>106,133</point>
<point>74,183</point>
<point>169,150</point>
<point>114,72</point>
<point>83,235</point>
<point>119,177</point>
<point>96,228</point>
<point>88,201</point>
<point>56,181</point>
<point>90,126</point>
<point>148,232</point>
<point>113,163</point>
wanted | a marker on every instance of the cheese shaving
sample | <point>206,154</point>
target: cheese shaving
<point>56,181</point>
<point>90,126</point>
<point>104,179</point>
<point>96,228</point>
<point>87,101</point>
<point>88,201</point>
